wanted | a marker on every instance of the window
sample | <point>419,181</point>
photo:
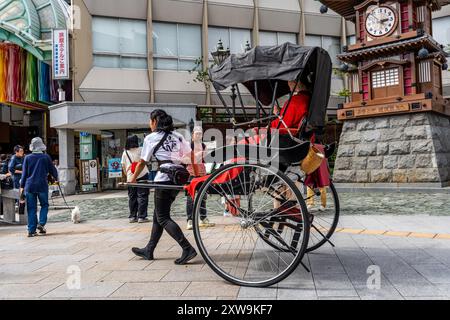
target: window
<point>385,78</point>
<point>355,82</point>
<point>119,43</point>
<point>441,31</point>
<point>176,46</point>
<point>267,38</point>
<point>424,71</point>
<point>330,44</point>
<point>351,40</point>
<point>232,38</point>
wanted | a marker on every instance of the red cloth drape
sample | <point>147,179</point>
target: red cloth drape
<point>223,178</point>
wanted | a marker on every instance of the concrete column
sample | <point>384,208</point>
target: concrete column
<point>205,53</point>
<point>151,77</point>
<point>302,31</point>
<point>67,160</point>
<point>255,23</point>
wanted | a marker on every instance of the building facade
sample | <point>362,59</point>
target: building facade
<point>130,57</point>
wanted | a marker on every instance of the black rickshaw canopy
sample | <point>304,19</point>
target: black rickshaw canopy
<point>265,70</point>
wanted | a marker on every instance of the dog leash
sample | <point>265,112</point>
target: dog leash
<point>62,195</point>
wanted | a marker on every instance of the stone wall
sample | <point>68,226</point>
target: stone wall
<point>409,148</point>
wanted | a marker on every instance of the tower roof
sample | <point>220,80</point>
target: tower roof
<point>346,8</point>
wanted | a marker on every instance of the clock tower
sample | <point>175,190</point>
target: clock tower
<point>396,124</point>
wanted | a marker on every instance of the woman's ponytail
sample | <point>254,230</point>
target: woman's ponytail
<point>164,121</point>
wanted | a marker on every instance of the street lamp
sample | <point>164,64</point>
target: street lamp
<point>220,55</point>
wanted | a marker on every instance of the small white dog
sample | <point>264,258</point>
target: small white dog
<point>76,215</point>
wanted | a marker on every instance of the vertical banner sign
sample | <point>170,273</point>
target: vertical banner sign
<point>93,171</point>
<point>115,168</point>
<point>60,54</point>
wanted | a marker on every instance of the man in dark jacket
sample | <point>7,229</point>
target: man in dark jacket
<point>15,165</point>
<point>34,184</point>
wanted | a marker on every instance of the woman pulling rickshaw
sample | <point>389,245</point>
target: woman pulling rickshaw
<point>261,243</point>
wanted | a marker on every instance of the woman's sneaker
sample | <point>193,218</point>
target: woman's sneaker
<point>133,220</point>
<point>226,213</point>
<point>189,225</point>
<point>32,234</point>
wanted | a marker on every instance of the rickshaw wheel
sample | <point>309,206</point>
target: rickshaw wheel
<point>324,222</point>
<point>256,195</point>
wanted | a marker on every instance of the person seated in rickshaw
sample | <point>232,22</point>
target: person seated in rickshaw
<point>293,114</point>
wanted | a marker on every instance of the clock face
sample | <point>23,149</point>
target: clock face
<point>381,21</point>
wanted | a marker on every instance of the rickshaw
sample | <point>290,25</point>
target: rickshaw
<point>270,228</point>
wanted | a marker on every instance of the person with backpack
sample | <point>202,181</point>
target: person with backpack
<point>171,151</point>
<point>197,169</point>
<point>137,197</point>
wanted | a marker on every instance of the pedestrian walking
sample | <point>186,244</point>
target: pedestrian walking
<point>137,197</point>
<point>197,169</point>
<point>171,150</point>
<point>15,165</point>
<point>34,185</point>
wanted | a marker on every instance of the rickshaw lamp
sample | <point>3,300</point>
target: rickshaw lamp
<point>220,55</point>
<point>444,66</point>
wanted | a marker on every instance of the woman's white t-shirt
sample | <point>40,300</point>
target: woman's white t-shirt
<point>175,149</point>
<point>135,155</point>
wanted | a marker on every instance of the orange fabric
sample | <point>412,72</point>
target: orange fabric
<point>321,177</point>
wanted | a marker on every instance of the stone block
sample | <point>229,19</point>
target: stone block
<point>370,136</point>
<point>395,134</point>
<point>349,126</point>
<point>415,133</point>
<point>344,176</point>
<point>375,163</point>
<point>360,163</point>
<point>364,150</point>
<point>400,121</point>
<point>362,176</point>
<point>424,175</point>
<point>442,160</point>
<point>377,176</point>
<point>382,123</point>
<point>406,162</point>
<point>399,176</point>
<point>419,119</point>
<point>424,161</point>
<point>346,151</point>
<point>438,147</point>
<point>343,163</point>
<point>382,148</point>
<point>350,137</point>
<point>367,124</point>
<point>422,146</point>
<point>399,148</point>
<point>390,162</point>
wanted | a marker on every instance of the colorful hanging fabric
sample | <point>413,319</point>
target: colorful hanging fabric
<point>31,76</point>
<point>13,83</point>
<point>44,85</point>
<point>3,71</point>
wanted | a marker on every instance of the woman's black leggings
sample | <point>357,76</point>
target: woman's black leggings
<point>162,220</point>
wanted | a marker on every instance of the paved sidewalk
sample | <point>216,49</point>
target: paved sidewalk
<point>412,253</point>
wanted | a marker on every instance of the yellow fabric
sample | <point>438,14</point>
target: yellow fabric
<point>311,194</point>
